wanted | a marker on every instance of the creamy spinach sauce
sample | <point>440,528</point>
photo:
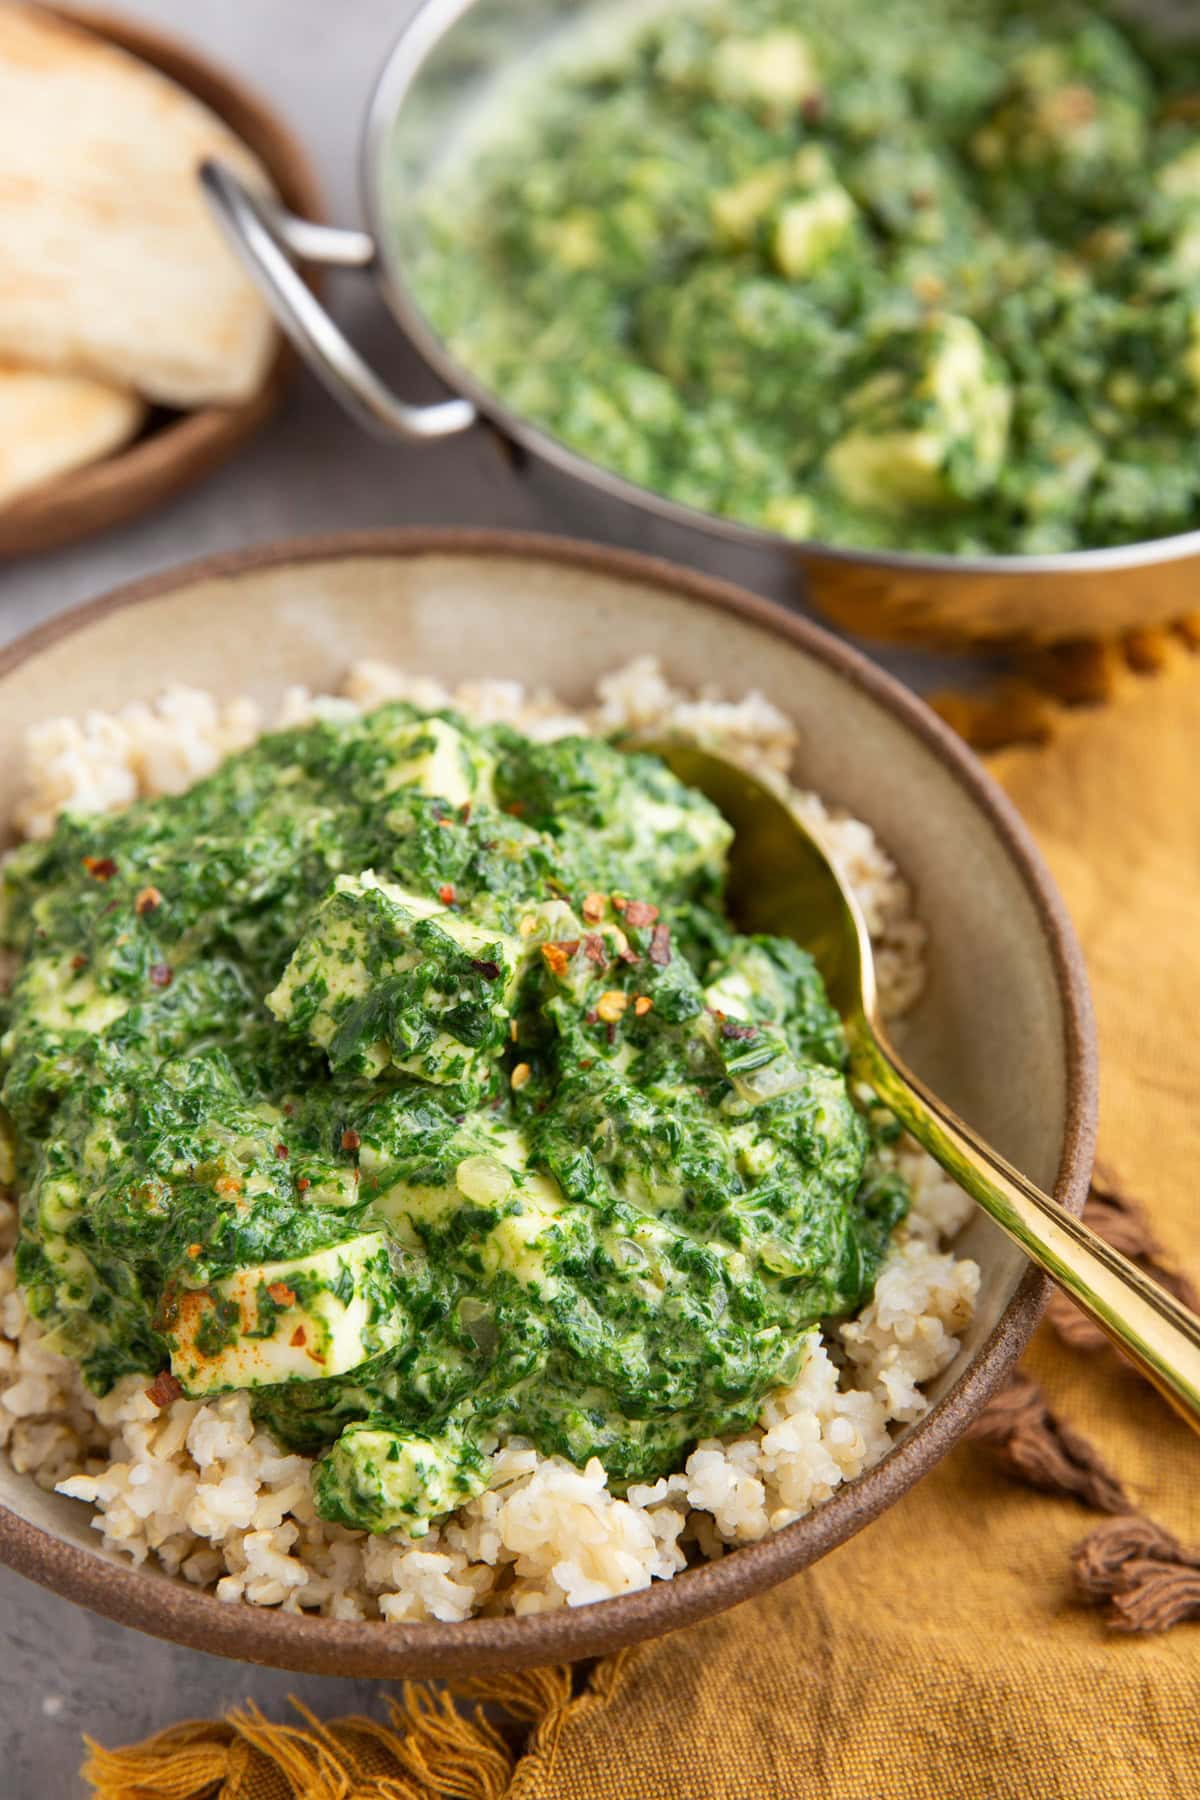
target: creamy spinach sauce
<point>410,1075</point>
<point>921,274</point>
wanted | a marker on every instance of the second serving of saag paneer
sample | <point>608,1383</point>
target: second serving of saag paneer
<point>902,274</point>
<point>410,1075</point>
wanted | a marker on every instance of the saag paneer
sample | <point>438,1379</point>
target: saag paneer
<point>903,274</point>
<point>409,1074</point>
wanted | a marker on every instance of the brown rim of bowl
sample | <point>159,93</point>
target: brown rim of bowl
<point>166,1608</point>
<point>188,446</point>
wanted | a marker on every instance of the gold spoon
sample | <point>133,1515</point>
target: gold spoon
<point>783,881</point>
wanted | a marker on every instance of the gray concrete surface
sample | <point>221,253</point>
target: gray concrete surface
<point>63,1672</point>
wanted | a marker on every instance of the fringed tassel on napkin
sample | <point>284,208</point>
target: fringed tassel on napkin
<point>1151,1581</point>
<point>184,1762</point>
<point>429,1750</point>
<point>1041,1450</point>
<point>1029,705</point>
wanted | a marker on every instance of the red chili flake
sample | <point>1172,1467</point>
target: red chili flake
<point>289,1109</point>
<point>446,891</point>
<point>591,1015</point>
<point>281,1151</point>
<point>164,1388</point>
<point>593,949</point>
<point>557,956</point>
<point>610,1032</point>
<point>585,1062</point>
<point>282,1294</point>
<point>304,1183</point>
<point>660,945</point>
<point>593,907</point>
<point>640,912</point>
<point>350,1140</point>
<point>299,1337</point>
<point>79,962</point>
<point>464,812</point>
<point>515,807</point>
<point>100,868</point>
<point>149,900</point>
<point>489,970</point>
<point>357,1174</point>
<point>730,1030</point>
<point>161,975</point>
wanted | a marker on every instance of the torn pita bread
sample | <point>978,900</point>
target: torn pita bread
<point>52,423</point>
<point>110,264</point>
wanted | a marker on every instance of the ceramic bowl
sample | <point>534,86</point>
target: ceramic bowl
<point>174,450</point>
<point>1003,1030</point>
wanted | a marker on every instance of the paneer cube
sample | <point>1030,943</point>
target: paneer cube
<point>777,70</point>
<point>931,422</point>
<point>382,978</point>
<point>379,1479</point>
<point>576,240</point>
<point>792,515</point>
<point>299,1320</point>
<point>434,757</point>
<point>738,211</point>
<point>810,228</point>
<point>1180,178</point>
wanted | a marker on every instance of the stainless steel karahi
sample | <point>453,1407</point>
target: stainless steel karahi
<point>451,62</point>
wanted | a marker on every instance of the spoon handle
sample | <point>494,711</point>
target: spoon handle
<point>1150,1325</point>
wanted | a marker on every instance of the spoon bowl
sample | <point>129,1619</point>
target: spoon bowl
<point>783,881</point>
<point>780,878</point>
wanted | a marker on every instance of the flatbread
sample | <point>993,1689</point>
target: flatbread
<point>52,423</point>
<point>110,263</point>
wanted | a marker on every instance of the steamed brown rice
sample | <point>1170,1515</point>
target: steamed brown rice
<point>205,1493</point>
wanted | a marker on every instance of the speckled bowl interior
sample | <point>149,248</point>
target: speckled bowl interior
<point>1003,1029</point>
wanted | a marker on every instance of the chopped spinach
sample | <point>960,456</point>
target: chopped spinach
<point>916,275</point>
<point>463,1113</point>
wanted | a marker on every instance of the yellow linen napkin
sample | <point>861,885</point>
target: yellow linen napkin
<point>944,1651</point>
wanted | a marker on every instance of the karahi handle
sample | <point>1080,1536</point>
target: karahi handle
<point>265,237</point>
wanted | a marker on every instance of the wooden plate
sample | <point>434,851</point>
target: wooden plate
<point>175,450</point>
